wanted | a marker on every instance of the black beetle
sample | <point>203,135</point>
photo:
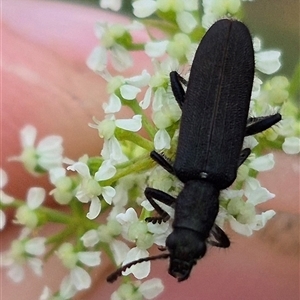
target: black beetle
<point>213,125</point>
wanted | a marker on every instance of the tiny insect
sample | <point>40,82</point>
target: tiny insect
<point>213,125</point>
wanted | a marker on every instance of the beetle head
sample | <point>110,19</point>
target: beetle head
<point>185,247</point>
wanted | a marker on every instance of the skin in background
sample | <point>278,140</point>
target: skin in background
<point>46,83</point>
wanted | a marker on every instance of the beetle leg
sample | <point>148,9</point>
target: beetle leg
<point>163,197</point>
<point>259,124</point>
<point>243,156</point>
<point>220,239</point>
<point>162,161</point>
<point>177,89</point>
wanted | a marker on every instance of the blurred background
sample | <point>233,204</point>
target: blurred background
<point>275,21</point>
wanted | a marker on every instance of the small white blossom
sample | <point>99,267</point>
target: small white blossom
<point>4,198</point>
<point>266,61</point>
<point>136,231</point>
<point>241,214</point>
<point>215,9</point>
<point>110,35</point>
<point>129,88</point>
<point>180,46</point>
<point>111,148</point>
<point>156,48</point>
<point>144,8</point>
<point>89,189</point>
<point>78,278</point>
<point>26,214</point>
<point>291,145</point>
<point>186,21</point>
<point>114,5</point>
<point>263,163</point>
<point>45,156</point>
<point>112,151</point>
<point>63,294</point>
<point>149,289</point>
<point>64,191</point>
<point>162,140</point>
<point>23,251</point>
<point>107,233</point>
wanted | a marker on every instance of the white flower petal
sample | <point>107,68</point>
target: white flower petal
<point>139,80</point>
<point>129,92</point>
<point>95,208</point>
<point>129,216</point>
<point>263,163</point>
<point>52,143</point>
<point>28,136</point>
<point>108,193</point>
<point>134,124</point>
<point>112,151</point>
<point>159,97</point>
<point>2,219</point>
<point>121,59</point>
<point>114,104</point>
<point>67,288</point>
<point>106,171</point>
<point>114,5</point>
<point>268,61</point>
<point>141,270</point>
<point>119,250</point>
<point>36,265</point>
<point>243,229</point>
<point>147,205</point>
<point>256,87</point>
<point>82,196</point>
<point>90,238</point>
<point>191,5</point>
<point>80,278</point>
<point>16,273</point>
<point>35,197</point>
<point>5,199</point>
<point>80,168</point>
<point>36,246</point>
<point>291,145</point>
<point>257,194</point>
<point>90,258</point>
<point>46,294</point>
<point>162,140</point>
<point>151,288</point>
<point>262,219</point>
<point>144,104</point>
<point>56,173</point>
<point>3,178</point>
<point>97,61</point>
<point>156,49</point>
<point>144,8</point>
<point>158,228</point>
<point>256,44</point>
<point>186,21</point>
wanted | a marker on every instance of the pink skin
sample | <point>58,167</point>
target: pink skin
<point>47,84</point>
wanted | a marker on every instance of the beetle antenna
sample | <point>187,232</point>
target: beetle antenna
<point>114,276</point>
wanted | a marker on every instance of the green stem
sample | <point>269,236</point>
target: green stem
<point>124,135</point>
<point>50,214</point>
<point>139,166</point>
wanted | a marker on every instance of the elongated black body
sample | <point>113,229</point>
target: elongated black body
<point>209,152</point>
<point>215,109</point>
